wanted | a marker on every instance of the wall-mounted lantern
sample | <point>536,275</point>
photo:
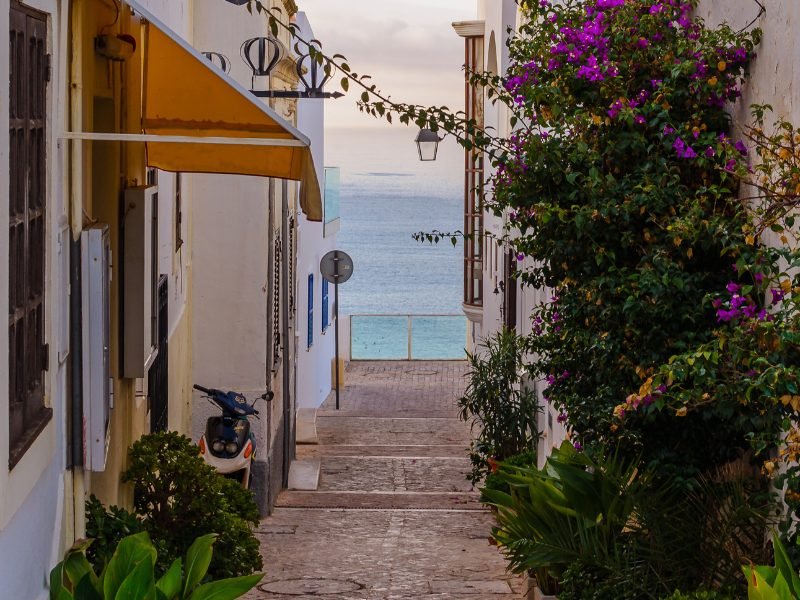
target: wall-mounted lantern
<point>428,144</point>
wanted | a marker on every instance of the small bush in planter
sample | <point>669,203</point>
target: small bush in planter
<point>500,409</point>
<point>178,498</point>
<point>130,574</point>
<point>495,481</point>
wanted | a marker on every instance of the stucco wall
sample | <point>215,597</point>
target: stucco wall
<point>314,363</point>
<point>32,506</point>
<point>775,73</point>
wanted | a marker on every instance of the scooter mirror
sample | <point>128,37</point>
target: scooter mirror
<point>268,396</point>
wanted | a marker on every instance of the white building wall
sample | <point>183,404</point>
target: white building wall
<point>314,364</point>
<point>32,495</point>
<point>230,262</point>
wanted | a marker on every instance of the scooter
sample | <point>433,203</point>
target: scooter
<point>228,445</point>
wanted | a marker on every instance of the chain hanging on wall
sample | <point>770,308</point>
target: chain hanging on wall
<point>276,305</point>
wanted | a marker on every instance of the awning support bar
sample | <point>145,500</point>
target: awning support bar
<point>179,139</point>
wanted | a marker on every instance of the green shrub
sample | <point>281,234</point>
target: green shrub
<point>495,481</point>
<point>699,595</point>
<point>603,527</point>
<point>178,498</point>
<point>106,529</point>
<point>130,574</point>
<point>500,409</point>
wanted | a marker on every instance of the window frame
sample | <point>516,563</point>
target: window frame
<point>29,115</point>
<point>310,324</point>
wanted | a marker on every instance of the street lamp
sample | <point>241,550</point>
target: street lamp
<point>428,144</point>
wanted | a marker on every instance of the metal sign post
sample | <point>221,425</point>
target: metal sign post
<point>336,267</point>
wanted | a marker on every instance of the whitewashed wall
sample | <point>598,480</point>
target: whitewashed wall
<point>314,363</point>
<point>32,495</point>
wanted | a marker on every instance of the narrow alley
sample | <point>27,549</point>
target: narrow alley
<point>394,516</point>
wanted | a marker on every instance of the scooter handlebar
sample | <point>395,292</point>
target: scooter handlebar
<point>202,389</point>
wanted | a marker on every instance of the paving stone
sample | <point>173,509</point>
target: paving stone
<point>394,516</point>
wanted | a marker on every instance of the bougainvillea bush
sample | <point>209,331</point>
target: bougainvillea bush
<point>623,186</point>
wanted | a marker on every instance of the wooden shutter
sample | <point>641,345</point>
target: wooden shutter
<point>29,74</point>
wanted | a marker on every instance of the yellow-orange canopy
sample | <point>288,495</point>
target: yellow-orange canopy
<point>186,95</point>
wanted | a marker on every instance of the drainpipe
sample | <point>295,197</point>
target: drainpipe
<point>287,405</point>
<point>75,302</point>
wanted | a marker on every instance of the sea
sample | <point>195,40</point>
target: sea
<point>386,195</point>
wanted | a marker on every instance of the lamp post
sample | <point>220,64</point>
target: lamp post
<point>428,144</point>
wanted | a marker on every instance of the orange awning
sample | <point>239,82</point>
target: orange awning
<point>186,96</point>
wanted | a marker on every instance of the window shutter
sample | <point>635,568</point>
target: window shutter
<point>28,351</point>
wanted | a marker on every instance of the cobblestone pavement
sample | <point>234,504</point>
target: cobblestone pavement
<point>394,517</point>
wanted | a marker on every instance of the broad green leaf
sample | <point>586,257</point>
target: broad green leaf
<point>77,567</point>
<point>139,584</point>
<point>57,589</point>
<point>784,566</point>
<point>170,583</point>
<point>86,589</point>
<point>226,589</point>
<point>131,551</point>
<point>198,557</point>
<point>757,587</point>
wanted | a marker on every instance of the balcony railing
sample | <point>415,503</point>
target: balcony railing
<point>408,337</point>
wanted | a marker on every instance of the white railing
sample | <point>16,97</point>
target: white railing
<point>408,337</point>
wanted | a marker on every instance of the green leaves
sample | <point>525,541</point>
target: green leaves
<point>130,575</point>
<point>227,589</point>
<point>197,560</point>
<point>130,553</point>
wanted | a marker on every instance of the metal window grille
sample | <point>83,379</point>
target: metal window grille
<point>178,211</point>
<point>158,375</point>
<point>27,359</point>
<point>292,305</point>
<point>310,310</point>
<point>325,306</point>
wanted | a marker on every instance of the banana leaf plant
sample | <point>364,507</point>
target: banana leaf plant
<point>130,575</point>
<point>780,582</point>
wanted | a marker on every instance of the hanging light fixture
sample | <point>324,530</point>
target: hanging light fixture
<point>428,144</point>
<point>261,54</point>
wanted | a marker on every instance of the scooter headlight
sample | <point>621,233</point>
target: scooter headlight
<point>218,446</point>
<point>232,447</point>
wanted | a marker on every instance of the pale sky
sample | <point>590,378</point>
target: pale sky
<point>408,47</point>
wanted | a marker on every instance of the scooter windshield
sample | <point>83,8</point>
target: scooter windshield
<point>234,404</point>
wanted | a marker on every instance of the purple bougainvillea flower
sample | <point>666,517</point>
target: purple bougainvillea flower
<point>733,287</point>
<point>716,302</point>
<point>725,316</point>
<point>730,166</point>
<point>668,130</point>
<point>741,147</point>
<point>642,43</point>
<point>710,152</point>
<point>662,389</point>
<point>551,380</point>
<point>777,295</point>
<point>520,257</point>
<point>565,375</point>
<point>639,120</point>
<point>759,278</point>
<point>562,418</point>
<point>763,316</point>
<point>750,311</point>
<point>577,446</point>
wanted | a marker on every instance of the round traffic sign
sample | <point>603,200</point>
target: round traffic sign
<point>336,266</point>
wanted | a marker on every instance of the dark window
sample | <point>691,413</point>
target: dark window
<point>27,356</point>
<point>325,305</point>
<point>310,310</point>
<point>178,212</point>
